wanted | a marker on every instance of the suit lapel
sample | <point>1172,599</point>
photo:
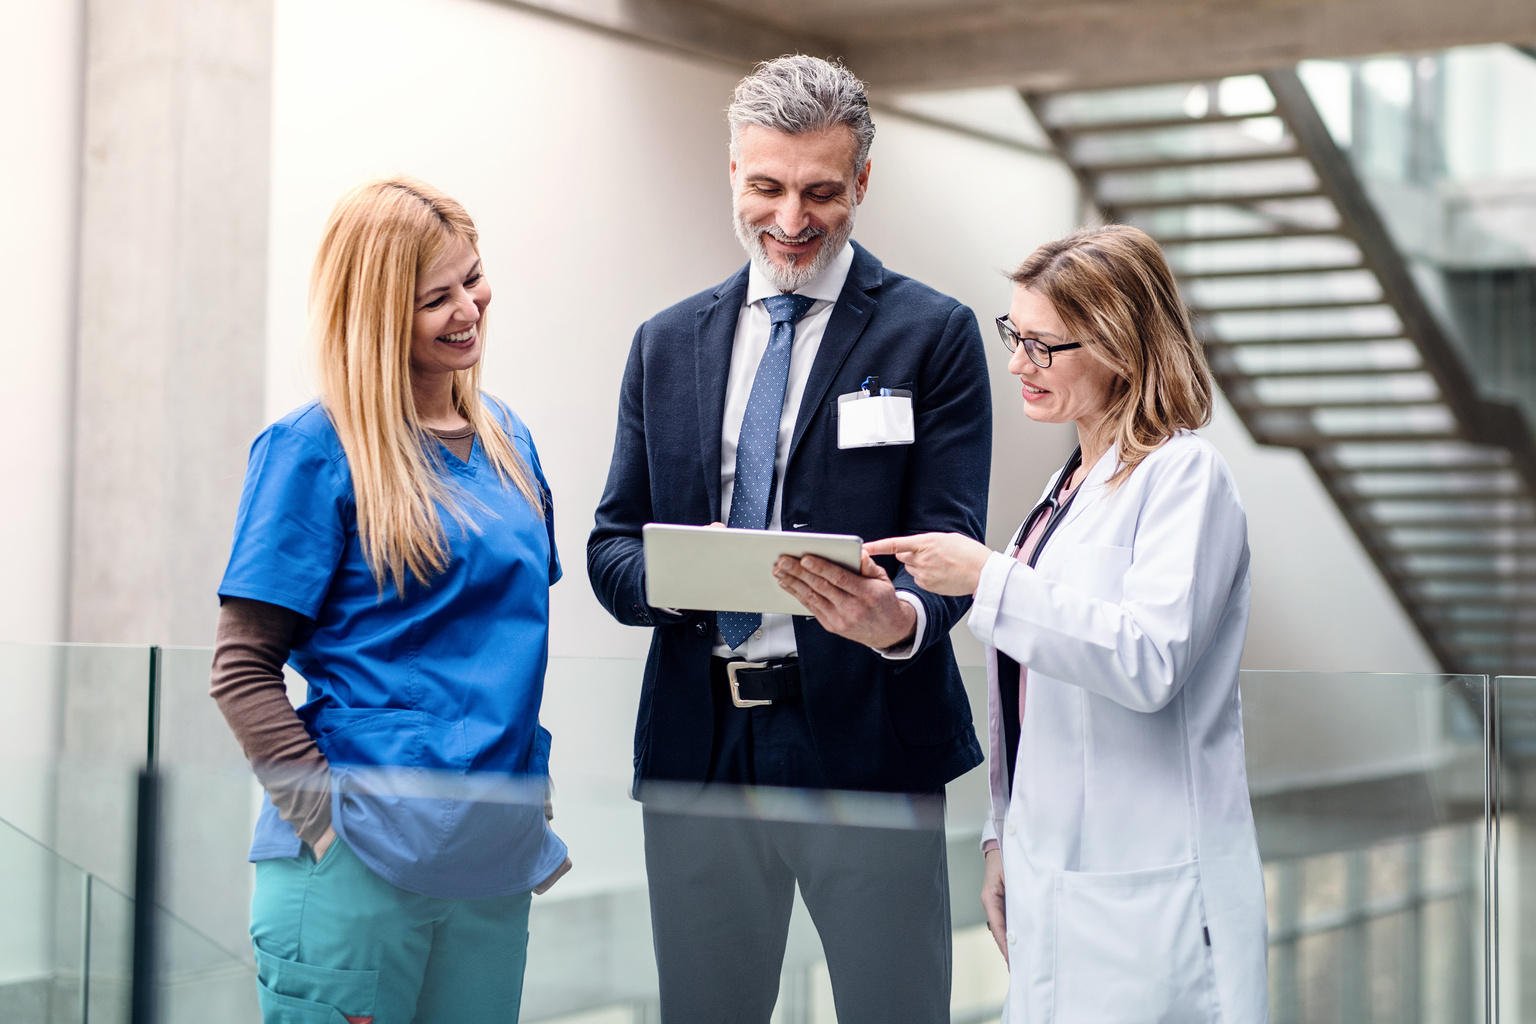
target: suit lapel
<point>850,316</point>
<point>713,342</point>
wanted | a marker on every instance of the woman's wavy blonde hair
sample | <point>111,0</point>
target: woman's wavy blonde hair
<point>1114,293</point>
<point>380,238</point>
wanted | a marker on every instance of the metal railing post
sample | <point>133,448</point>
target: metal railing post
<point>146,871</point>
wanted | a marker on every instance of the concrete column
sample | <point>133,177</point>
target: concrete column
<point>172,308</point>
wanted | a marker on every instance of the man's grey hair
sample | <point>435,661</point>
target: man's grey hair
<point>797,94</point>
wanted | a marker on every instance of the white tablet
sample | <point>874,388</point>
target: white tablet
<point>708,568</point>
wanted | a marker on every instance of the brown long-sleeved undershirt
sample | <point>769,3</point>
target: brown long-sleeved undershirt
<point>253,642</point>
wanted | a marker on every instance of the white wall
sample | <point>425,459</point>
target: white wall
<point>40,65</point>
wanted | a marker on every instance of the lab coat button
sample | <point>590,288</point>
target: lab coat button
<point>1011,937</point>
<point>701,628</point>
<point>1011,828</point>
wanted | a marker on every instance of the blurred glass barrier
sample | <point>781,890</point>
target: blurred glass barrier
<point>1376,799</point>
<point>1515,837</point>
<point>1370,794</point>
<point>84,719</point>
<point>1442,143</point>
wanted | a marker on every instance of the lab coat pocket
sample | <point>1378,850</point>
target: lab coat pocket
<point>1095,570</point>
<point>1131,948</point>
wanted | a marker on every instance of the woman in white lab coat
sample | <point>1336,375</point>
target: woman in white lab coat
<point>1123,882</point>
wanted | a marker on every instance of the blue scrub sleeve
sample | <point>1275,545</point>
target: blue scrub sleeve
<point>555,572</point>
<point>290,530</point>
<point>518,431</point>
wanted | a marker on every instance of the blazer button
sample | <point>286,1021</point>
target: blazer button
<point>701,628</point>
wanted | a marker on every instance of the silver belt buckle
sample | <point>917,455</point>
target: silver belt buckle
<point>731,668</point>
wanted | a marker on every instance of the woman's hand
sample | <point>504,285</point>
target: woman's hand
<point>941,563</point>
<point>992,901</point>
<point>549,883</point>
<point>323,843</point>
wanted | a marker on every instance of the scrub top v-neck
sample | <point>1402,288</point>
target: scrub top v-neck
<point>426,705</point>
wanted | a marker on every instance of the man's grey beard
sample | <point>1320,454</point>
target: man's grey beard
<point>796,275</point>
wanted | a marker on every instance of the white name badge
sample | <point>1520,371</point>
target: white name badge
<point>868,421</point>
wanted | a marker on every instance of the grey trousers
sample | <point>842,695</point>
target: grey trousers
<point>722,889</point>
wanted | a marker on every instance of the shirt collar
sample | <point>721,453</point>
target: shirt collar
<point>827,285</point>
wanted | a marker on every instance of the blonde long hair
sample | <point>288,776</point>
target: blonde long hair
<point>1116,295</point>
<point>362,298</point>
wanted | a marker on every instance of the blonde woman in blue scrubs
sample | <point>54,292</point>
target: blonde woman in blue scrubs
<point>395,544</point>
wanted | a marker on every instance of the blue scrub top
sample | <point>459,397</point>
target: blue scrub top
<point>425,705</point>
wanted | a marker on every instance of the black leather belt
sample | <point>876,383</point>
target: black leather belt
<point>754,683</point>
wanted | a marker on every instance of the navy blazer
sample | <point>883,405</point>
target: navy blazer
<point>901,726</point>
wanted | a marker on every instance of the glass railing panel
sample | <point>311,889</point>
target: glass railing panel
<point>66,944</point>
<point>1367,792</point>
<point>1433,138</point>
<point>1515,699</point>
<point>1368,795</point>
<point>80,729</point>
<point>209,803</point>
<point>43,963</point>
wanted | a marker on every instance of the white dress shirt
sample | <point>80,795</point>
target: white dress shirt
<point>775,638</point>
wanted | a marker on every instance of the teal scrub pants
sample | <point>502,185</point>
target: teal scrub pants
<point>337,944</point>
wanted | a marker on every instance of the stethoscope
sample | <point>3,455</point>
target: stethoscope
<point>1052,506</point>
<point>1007,668</point>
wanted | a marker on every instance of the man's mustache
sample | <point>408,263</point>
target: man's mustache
<point>777,234</point>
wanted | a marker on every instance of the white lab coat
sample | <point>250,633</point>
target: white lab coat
<point>1128,836</point>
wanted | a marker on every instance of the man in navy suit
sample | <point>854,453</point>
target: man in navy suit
<point>729,413</point>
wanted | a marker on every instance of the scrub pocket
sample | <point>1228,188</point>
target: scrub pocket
<point>422,821</point>
<point>1130,948</point>
<point>296,993</point>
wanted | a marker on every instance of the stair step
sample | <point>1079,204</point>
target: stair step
<point>1259,275</point>
<point>1121,207</point>
<point>1286,307</point>
<point>1227,369</point>
<point>1256,236</point>
<point>1095,167</point>
<point>1070,129</point>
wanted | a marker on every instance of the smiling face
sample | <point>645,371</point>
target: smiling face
<point>1076,387</point>
<point>794,197</point>
<point>451,297</point>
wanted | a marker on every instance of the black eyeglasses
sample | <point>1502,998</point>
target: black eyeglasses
<point>1038,351</point>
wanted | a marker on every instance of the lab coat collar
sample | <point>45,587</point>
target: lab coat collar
<point>1094,484</point>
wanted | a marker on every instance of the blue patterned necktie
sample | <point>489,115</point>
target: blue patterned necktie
<point>758,445</point>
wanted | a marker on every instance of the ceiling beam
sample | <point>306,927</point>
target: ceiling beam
<point>684,26</point>
<point>1107,44</point>
<point>1047,45</point>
